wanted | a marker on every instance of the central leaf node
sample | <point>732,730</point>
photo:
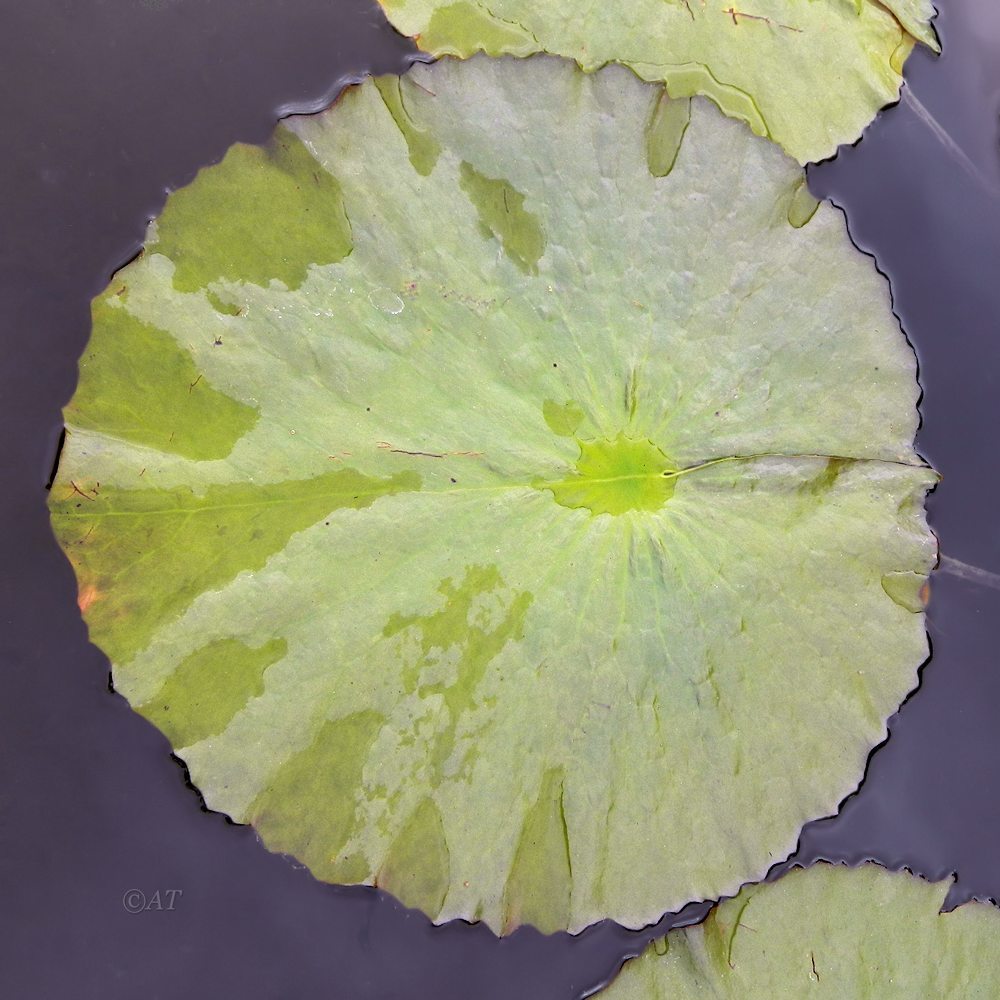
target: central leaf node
<point>613,476</point>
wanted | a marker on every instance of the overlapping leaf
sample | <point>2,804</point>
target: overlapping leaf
<point>501,488</point>
<point>809,74</point>
<point>827,932</point>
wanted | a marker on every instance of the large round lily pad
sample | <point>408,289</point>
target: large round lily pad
<point>809,74</point>
<point>830,933</point>
<point>501,488</point>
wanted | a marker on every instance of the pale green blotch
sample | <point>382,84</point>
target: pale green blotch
<point>462,28</point>
<point>142,556</point>
<point>616,476</point>
<point>664,133</point>
<point>906,589</point>
<point>802,205</point>
<point>221,306</point>
<point>502,215</point>
<point>562,418</point>
<point>692,79</point>
<point>201,697</point>
<point>309,807</point>
<point>826,479</point>
<point>540,883</point>
<point>417,869</point>
<point>458,626</point>
<point>264,212</point>
<point>424,149</point>
<point>138,384</point>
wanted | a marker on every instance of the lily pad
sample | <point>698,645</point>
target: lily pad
<point>544,541</point>
<point>809,74</point>
<point>826,932</point>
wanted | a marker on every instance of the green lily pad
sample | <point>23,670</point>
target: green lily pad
<point>543,542</point>
<point>827,932</point>
<point>809,74</point>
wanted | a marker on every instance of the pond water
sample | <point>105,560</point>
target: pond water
<point>114,102</point>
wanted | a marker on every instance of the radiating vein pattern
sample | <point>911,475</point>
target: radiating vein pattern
<point>538,534</point>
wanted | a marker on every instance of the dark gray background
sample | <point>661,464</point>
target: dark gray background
<point>106,104</point>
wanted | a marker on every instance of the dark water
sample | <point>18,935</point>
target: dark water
<point>108,103</point>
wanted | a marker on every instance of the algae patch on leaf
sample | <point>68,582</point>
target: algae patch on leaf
<point>828,932</point>
<point>562,529</point>
<point>809,74</point>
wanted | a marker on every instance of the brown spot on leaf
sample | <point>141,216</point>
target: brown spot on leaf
<point>87,596</point>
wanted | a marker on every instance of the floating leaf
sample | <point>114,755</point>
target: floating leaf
<point>809,74</point>
<point>827,932</point>
<point>544,541</point>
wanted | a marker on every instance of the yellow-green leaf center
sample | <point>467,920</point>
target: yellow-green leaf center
<point>613,476</point>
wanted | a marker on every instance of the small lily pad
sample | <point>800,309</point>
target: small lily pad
<point>530,542</point>
<point>827,932</point>
<point>809,75</point>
